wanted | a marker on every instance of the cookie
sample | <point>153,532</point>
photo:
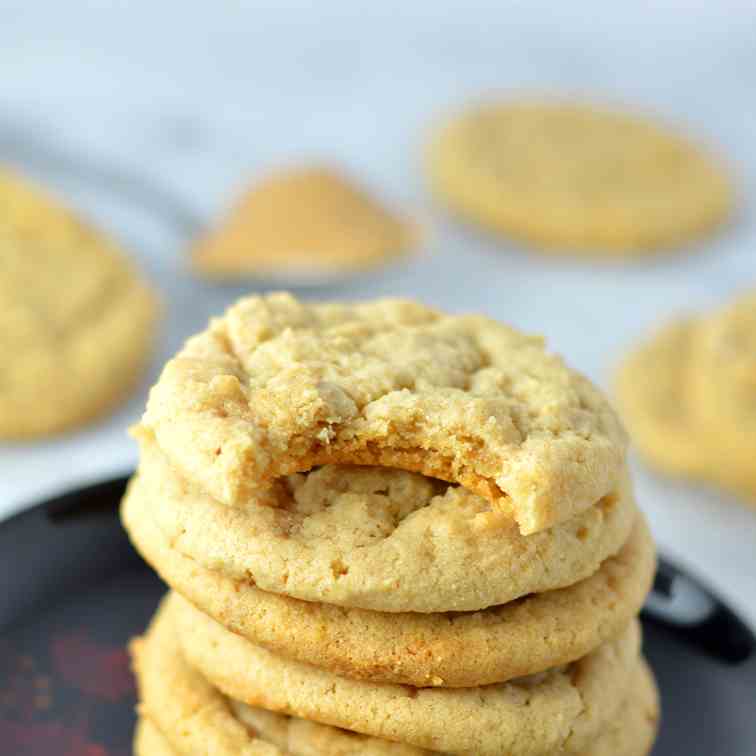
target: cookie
<point>301,737</point>
<point>577,179</point>
<point>181,713</point>
<point>447,649</point>
<point>187,711</point>
<point>308,222</point>
<point>277,386</point>
<point>635,731</point>
<point>650,390</point>
<point>76,322</point>
<point>722,391</point>
<point>687,397</point>
<point>630,735</point>
<point>564,708</point>
<point>149,741</point>
<point>378,538</point>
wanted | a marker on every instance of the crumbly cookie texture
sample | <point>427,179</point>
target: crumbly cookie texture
<point>278,386</point>
<point>564,708</point>
<point>576,179</point>
<point>308,222</point>
<point>77,320</point>
<point>629,735</point>
<point>687,396</point>
<point>423,650</point>
<point>380,538</point>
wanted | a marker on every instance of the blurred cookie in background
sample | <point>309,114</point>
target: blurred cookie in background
<point>688,397</point>
<point>309,224</point>
<point>576,179</point>
<point>77,323</point>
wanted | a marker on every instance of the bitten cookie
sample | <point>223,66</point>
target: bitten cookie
<point>77,324</point>
<point>457,649</point>
<point>577,179</point>
<point>278,386</point>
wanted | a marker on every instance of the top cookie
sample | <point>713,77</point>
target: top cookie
<point>76,323</point>
<point>569,176</point>
<point>277,386</point>
<point>309,222</point>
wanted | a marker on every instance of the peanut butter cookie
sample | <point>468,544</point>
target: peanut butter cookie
<point>688,397</point>
<point>379,538</point>
<point>561,709</point>
<point>164,674</point>
<point>77,324</point>
<point>576,179</point>
<point>278,386</point>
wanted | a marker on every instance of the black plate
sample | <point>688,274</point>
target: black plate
<point>73,591</point>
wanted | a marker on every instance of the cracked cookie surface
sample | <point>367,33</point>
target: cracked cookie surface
<point>74,315</point>
<point>564,708</point>
<point>277,386</point>
<point>579,180</point>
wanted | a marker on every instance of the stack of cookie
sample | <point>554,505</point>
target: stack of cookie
<point>387,530</point>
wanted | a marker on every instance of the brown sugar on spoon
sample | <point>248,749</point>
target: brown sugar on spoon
<point>310,223</point>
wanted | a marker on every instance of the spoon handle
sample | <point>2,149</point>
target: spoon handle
<point>683,605</point>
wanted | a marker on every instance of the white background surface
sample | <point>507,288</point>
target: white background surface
<point>201,99</point>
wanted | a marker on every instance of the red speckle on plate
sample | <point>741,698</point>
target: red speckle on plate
<point>44,738</point>
<point>93,668</point>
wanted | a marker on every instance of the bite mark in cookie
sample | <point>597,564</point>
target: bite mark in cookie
<point>277,386</point>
